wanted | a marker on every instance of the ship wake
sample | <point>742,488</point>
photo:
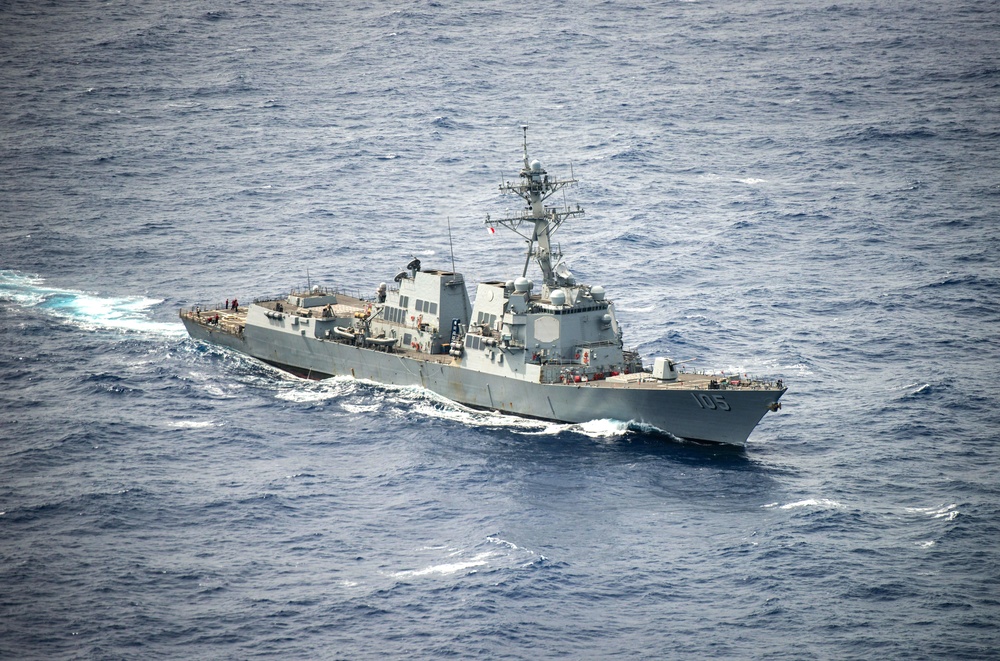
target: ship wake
<point>373,398</point>
<point>85,310</point>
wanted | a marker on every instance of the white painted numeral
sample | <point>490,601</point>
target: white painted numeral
<point>711,402</point>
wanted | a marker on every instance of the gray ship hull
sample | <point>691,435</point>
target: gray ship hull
<point>728,418</point>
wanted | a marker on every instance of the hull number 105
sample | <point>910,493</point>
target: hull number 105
<point>712,402</point>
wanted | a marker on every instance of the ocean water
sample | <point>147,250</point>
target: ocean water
<point>798,190</point>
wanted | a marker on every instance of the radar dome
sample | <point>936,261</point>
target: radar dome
<point>522,284</point>
<point>536,166</point>
<point>597,293</point>
<point>558,297</point>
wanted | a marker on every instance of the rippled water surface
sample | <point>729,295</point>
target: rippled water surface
<point>805,191</point>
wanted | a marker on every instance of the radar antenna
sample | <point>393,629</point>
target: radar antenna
<point>535,187</point>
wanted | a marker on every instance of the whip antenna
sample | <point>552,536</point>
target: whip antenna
<point>451,246</point>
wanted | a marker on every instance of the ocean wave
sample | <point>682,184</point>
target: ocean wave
<point>946,512</point>
<point>810,503</point>
<point>966,280</point>
<point>191,424</point>
<point>305,391</point>
<point>766,368</point>
<point>446,568</point>
<point>495,553</point>
<point>876,134</point>
<point>605,428</point>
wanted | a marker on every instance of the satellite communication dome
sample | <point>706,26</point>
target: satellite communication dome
<point>558,297</point>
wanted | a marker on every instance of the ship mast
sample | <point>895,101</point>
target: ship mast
<point>535,187</point>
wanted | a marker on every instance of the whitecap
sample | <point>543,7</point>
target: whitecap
<point>306,391</point>
<point>216,391</point>
<point>361,408</point>
<point>547,429</point>
<point>191,424</point>
<point>446,568</point>
<point>762,367</point>
<point>502,542</point>
<point>306,396</point>
<point>946,512</point>
<point>605,428</point>
<point>915,388</point>
<point>818,503</point>
<point>801,368</point>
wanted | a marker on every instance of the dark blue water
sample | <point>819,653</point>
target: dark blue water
<point>805,191</point>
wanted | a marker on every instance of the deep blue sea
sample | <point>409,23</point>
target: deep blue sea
<point>799,190</point>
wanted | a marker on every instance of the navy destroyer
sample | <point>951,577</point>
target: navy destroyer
<point>551,350</point>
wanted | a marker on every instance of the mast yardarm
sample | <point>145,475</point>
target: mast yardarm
<point>535,187</point>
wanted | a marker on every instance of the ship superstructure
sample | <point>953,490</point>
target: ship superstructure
<point>552,350</point>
